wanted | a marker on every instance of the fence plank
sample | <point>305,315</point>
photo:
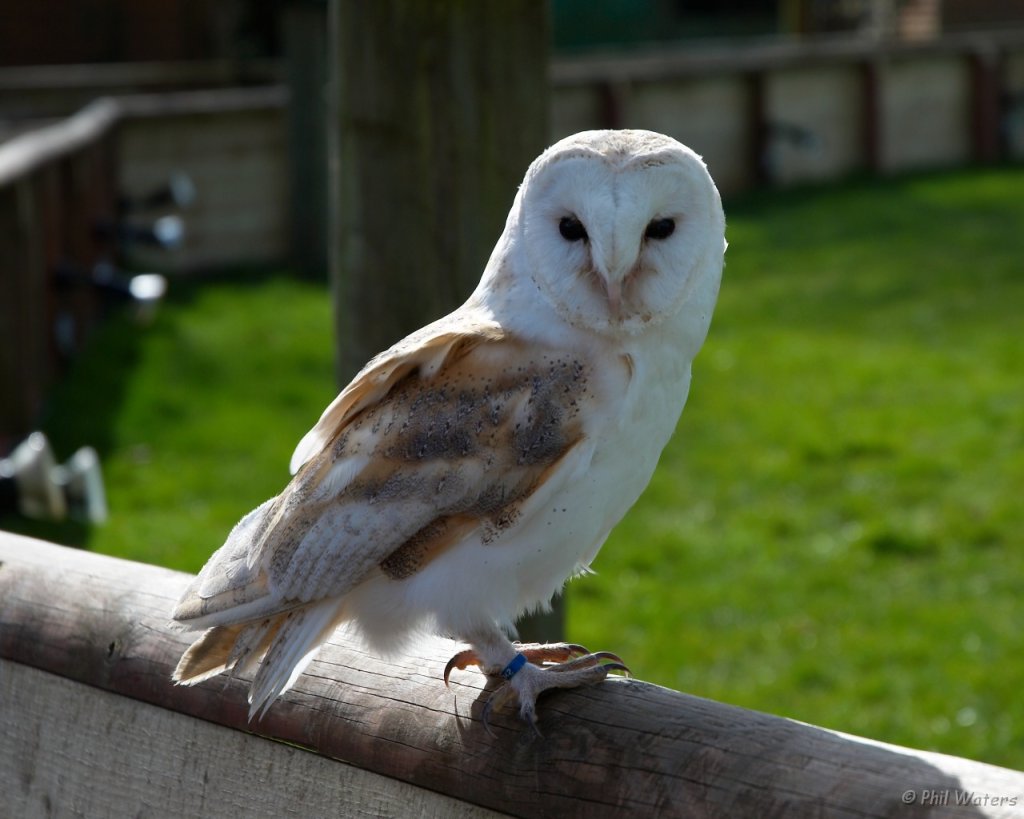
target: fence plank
<point>621,746</point>
<point>100,754</point>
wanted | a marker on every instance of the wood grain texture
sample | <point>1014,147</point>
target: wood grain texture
<point>101,754</point>
<point>435,111</point>
<point>622,746</point>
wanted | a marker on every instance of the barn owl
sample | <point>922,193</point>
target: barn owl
<point>472,468</point>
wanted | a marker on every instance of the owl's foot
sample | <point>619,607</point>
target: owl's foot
<point>530,681</point>
<point>542,668</point>
<point>536,653</point>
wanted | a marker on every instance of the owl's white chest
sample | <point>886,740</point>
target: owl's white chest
<point>635,408</point>
<point>631,413</point>
<point>637,385</point>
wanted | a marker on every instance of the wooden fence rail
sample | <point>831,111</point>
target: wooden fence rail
<point>56,183</point>
<point>91,725</point>
<point>789,112</point>
<point>60,182</point>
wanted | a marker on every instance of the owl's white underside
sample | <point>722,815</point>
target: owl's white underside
<point>477,583</point>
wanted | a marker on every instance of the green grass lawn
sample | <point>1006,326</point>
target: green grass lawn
<point>836,532</point>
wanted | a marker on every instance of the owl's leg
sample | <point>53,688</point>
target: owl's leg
<point>530,681</point>
<point>531,669</point>
<point>536,653</point>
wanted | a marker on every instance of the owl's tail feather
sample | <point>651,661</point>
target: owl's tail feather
<point>295,643</point>
<point>224,648</point>
<point>282,646</point>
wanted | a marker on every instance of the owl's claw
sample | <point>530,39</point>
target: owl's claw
<point>535,653</point>
<point>555,665</point>
<point>462,660</point>
<point>497,700</point>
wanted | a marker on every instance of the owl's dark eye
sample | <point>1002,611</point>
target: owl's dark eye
<point>572,229</point>
<point>659,228</point>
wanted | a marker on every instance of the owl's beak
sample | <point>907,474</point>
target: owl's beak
<point>613,289</point>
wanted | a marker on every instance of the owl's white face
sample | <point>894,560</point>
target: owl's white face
<point>618,228</point>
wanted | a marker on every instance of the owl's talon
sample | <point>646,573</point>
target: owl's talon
<point>533,679</point>
<point>537,653</point>
<point>527,710</point>
<point>553,665</point>
<point>462,660</point>
<point>590,661</point>
<point>616,663</point>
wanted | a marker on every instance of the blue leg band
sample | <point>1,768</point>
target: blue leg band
<point>509,671</point>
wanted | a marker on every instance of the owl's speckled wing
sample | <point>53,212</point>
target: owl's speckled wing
<point>451,433</point>
<point>425,351</point>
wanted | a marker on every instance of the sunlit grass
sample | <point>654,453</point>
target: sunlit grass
<point>836,532</point>
<point>195,416</point>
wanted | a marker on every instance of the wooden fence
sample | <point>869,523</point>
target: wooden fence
<point>91,725</point>
<point>792,112</point>
<point>223,123</point>
<point>56,184</point>
<point>60,181</point>
<point>32,92</point>
<point>233,144</point>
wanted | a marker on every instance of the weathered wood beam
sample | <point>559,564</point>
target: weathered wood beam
<point>40,146</point>
<point>26,153</point>
<point>435,110</point>
<point>623,746</point>
<point>651,65</point>
<point>72,749</point>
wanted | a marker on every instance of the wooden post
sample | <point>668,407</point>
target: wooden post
<point>305,39</point>
<point>871,114</point>
<point>758,129</point>
<point>986,68</point>
<point>437,110</point>
<point>611,103</point>
<point>90,723</point>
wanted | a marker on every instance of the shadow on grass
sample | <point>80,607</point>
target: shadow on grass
<point>82,408</point>
<point>79,409</point>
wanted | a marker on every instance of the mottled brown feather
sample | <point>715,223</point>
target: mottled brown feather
<point>432,347</point>
<point>444,448</point>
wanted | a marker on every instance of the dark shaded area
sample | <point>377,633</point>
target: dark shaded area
<point>82,406</point>
<point>56,32</point>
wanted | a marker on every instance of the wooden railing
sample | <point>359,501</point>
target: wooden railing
<point>60,182</point>
<point>57,183</point>
<point>786,112</point>
<point>92,725</point>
